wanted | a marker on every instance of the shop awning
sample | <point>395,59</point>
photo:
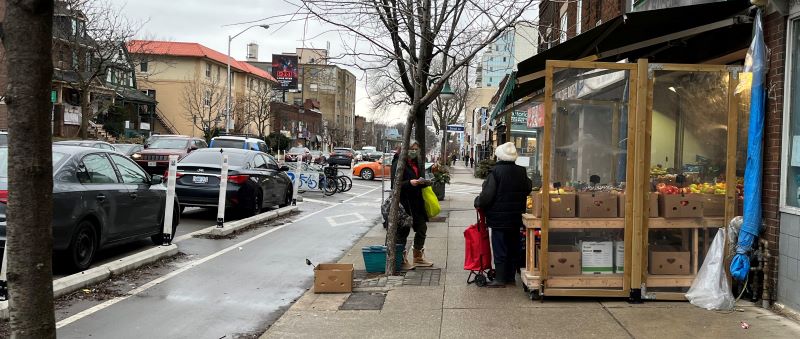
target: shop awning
<point>508,86</point>
<point>686,34</point>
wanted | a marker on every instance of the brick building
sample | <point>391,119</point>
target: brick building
<point>302,124</point>
<point>359,132</point>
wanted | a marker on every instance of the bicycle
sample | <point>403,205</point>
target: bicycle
<point>328,184</point>
<point>346,183</point>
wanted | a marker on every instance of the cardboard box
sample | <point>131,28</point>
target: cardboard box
<point>619,256</point>
<point>597,205</point>
<point>680,206</point>
<point>563,260</point>
<point>652,205</point>
<point>333,278</point>
<point>713,205</point>
<point>669,261</point>
<point>561,205</point>
<point>597,257</point>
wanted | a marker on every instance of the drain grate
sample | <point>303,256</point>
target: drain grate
<point>359,301</point>
<point>423,277</point>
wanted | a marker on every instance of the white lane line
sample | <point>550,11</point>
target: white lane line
<point>188,266</point>
<point>319,201</point>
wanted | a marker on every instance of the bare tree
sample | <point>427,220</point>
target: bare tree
<point>256,109</point>
<point>27,39</point>
<point>446,112</point>
<point>87,37</point>
<point>411,35</point>
<point>203,102</point>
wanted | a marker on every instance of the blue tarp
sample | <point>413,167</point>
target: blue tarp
<point>755,63</point>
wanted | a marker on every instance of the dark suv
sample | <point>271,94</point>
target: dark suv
<point>155,158</point>
<point>342,156</point>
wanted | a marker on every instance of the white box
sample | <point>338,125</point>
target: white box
<point>597,257</point>
<point>619,256</point>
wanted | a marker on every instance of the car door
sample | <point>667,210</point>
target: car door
<point>105,196</point>
<point>147,203</point>
<point>266,178</point>
<point>279,180</point>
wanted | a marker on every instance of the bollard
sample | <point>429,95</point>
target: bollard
<point>294,185</point>
<point>223,187</point>
<point>3,280</point>
<point>169,209</point>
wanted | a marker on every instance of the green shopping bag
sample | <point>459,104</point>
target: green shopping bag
<point>431,202</point>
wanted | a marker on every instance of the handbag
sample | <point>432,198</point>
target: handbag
<point>403,219</point>
<point>432,207</point>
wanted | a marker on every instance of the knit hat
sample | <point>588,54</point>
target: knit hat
<point>506,152</point>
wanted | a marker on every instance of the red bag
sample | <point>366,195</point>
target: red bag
<point>478,251</point>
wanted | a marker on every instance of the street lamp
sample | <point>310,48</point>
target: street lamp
<point>228,101</point>
<point>446,93</point>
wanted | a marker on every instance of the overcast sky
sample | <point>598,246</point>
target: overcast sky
<point>202,20</point>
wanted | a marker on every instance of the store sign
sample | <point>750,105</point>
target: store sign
<point>536,116</point>
<point>519,117</point>
<point>284,70</point>
<point>455,128</point>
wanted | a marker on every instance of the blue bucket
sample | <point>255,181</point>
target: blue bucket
<point>375,258</point>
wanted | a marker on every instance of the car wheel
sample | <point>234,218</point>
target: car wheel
<point>83,247</point>
<point>158,238</point>
<point>287,199</point>
<point>254,208</point>
<point>367,174</point>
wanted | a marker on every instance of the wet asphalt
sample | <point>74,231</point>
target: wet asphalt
<point>230,287</point>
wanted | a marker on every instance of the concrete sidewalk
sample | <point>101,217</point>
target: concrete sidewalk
<point>419,306</point>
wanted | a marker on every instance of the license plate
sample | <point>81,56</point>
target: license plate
<point>151,163</point>
<point>199,179</point>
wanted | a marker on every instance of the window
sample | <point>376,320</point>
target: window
<point>791,136</point>
<point>88,60</point>
<point>98,170</point>
<point>131,173</point>
<point>271,164</point>
<point>259,162</point>
<point>207,98</point>
<point>504,58</point>
<point>563,28</point>
<point>312,87</point>
<point>75,60</point>
<point>208,70</point>
<point>143,66</point>
<point>579,18</point>
<point>298,101</point>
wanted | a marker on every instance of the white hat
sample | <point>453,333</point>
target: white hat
<point>506,152</point>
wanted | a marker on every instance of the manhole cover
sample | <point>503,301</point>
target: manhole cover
<point>364,301</point>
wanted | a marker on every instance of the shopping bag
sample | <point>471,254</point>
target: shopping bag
<point>477,251</point>
<point>432,207</point>
<point>711,289</point>
<point>403,218</point>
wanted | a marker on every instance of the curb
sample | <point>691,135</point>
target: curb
<point>234,226</point>
<point>74,282</point>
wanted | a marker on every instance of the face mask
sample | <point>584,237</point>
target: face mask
<point>412,153</point>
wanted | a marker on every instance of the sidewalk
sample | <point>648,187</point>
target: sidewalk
<point>439,304</point>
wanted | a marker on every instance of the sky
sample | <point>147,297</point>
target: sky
<point>202,21</point>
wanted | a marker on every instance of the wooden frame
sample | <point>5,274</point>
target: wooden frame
<point>636,222</point>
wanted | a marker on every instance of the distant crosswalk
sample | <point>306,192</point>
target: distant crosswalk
<point>462,189</point>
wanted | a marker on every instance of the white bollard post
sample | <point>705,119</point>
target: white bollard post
<point>223,187</point>
<point>169,209</point>
<point>3,279</point>
<point>295,187</point>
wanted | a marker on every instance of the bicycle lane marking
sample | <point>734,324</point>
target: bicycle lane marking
<point>190,265</point>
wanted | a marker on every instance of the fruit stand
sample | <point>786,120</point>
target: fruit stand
<point>640,172</point>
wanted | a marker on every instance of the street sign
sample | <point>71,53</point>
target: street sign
<point>455,128</point>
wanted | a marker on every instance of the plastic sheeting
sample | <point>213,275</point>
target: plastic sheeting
<point>756,63</point>
<point>711,289</point>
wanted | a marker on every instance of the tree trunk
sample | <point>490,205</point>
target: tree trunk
<point>391,231</point>
<point>86,112</point>
<point>444,144</point>
<point>28,27</point>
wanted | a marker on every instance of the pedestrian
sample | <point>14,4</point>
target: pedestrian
<point>412,202</point>
<point>466,160</point>
<point>471,162</point>
<point>502,199</point>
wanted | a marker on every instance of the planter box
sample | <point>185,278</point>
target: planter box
<point>438,189</point>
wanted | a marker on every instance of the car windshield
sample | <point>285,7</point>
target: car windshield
<point>123,148</point>
<point>341,150</point>
<point>228,143</point>
<point>169,144</point>
<point>215,157</point>
<point>57,157</point>
<point>297,150</point>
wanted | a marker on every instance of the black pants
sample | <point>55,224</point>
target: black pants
<point>420,230</point>
<point>505,249</point>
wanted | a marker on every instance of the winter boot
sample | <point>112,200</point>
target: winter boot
<point>419,258</point>
<point>406,266</point>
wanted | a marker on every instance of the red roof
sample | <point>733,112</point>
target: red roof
<point>193,49</point>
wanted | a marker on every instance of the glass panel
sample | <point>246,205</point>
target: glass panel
<point>587,174</point>
<point>792,179</point>
<point>527,126</point>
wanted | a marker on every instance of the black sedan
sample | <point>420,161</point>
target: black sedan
<point>100,198</point>
<point>342,156</point>
<point>255,180</point>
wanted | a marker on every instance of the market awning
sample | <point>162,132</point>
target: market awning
<point>508,85</point>
<point>685,34</point>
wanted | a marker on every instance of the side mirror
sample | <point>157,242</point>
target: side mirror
<point>192,148</point>
<point>156,179</point>
<point>284,168</point>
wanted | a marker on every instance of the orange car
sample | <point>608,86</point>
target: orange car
<point>372,169</point>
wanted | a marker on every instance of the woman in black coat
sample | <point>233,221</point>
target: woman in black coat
<point>502,199</point>
<point>412,202</point>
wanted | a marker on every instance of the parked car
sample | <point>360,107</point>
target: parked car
<point>254,180</point>
<point>154,137</point>
<point>317,157</point>
<point>240,142</point>
<point>100,198</point>
<point>372,169</point>
<point>342,156</point>
<point>87,143</point>
<point>358,156</point>
<point>371,155</point>
<point>128,149</point>
<point>155,158</point>
<point>298,154</point>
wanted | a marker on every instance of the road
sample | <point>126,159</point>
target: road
<point>225,287</point>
